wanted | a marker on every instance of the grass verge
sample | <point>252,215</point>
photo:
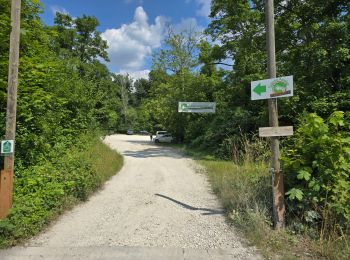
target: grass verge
<point>44,191</point>
<point>245,192</point>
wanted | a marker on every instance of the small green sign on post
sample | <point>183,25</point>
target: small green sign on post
<point>7,147</point>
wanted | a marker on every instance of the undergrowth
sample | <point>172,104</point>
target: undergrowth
<point>43,191</point>
<point>244,189</point>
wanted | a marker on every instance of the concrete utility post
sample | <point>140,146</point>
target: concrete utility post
<point>6,180</point>
<point>277,180</point>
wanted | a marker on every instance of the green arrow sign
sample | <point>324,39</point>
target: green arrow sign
<point>259,89</point>
<point>272,88</point>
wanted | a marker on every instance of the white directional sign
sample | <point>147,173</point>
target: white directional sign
<point>272,88</point>
<point>197,107</point>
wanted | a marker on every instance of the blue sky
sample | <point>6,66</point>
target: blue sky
<point>134,29</point>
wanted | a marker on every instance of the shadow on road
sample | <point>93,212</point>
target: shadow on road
<point>154,152</point>
<point>186,206</point>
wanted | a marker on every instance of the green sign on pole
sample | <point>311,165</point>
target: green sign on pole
<point>7,147</point>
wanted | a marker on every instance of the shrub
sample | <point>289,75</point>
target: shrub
<point>317,167</point>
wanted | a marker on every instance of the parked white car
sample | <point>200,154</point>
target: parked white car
<point>160,133</point>
<point>165,138</point>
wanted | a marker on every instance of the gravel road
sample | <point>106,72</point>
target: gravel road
<point>158,200</point>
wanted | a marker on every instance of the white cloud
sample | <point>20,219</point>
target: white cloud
<point>135,75</point>
<point>58,9</point>
<point>130,44</point>
<point>204,7</point>
<point>188,24</point>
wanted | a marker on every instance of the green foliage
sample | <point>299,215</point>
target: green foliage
<point>64,92</point>
<point>77,37</point>
<point>317,166</point>
<point>43,190</point>
<point>245,191</point>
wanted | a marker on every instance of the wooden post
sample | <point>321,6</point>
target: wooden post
<point>6,184</point>
<point>277,179</point>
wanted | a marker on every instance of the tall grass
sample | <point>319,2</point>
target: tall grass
<point>243,184</point>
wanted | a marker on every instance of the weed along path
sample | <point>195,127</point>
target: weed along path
<point>157,207</point>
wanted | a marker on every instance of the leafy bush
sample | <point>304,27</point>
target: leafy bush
<point>43,190</point>
<point>317,167</point>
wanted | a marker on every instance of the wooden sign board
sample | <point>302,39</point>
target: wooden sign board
<point>275,131</point>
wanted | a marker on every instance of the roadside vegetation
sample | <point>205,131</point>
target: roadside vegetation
<point>245,191</point>
<point>45,190</point>
<point>67,99</point>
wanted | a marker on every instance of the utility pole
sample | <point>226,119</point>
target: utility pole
<point>277,176</point>
<point>6,180</point>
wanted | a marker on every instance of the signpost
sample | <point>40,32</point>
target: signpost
<point>272,88</point>
<point>197,107</point>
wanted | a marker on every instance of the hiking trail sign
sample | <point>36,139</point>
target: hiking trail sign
<point>197,107</point>
<point>7,147</point>
<point>272,88</point>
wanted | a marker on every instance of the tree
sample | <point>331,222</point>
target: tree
<point>79,37</point>
<point>180,53</point>
<point>313,45</point>
<point>141,90</point>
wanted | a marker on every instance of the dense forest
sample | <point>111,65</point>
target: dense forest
<point>66,91</point>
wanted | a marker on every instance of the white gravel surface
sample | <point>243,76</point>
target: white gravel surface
<point>156,200</point>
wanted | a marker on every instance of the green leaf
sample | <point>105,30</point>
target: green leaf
<point>303,175</point>
<point>337,118</point>
<point>295,194</point>
<point>23,31</point>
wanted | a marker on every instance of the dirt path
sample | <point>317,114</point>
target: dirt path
<point>157,200</point>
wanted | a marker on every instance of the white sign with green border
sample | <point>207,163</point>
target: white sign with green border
<point>272,88</point>
<point>197,107</point>
<point>7,147</point>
